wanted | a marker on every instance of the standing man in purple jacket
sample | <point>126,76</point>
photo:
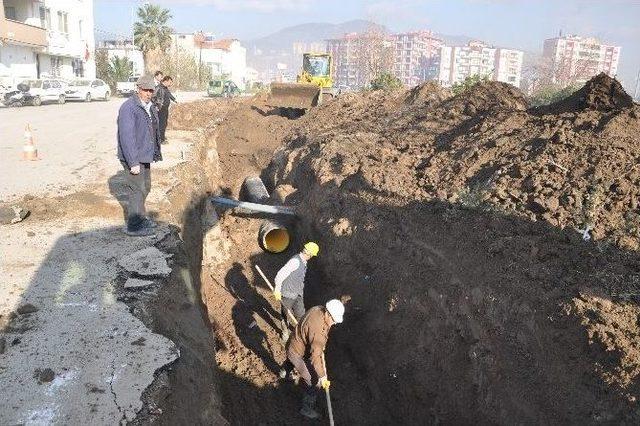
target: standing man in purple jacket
<point>138,147</point>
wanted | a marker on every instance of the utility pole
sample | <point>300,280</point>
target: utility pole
<point>200,39</point>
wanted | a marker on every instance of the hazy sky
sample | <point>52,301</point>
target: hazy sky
<point>522,24</point>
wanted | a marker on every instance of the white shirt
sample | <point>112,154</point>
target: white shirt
<point>147,107</point>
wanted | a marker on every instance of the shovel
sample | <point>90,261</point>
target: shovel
<point>326,391</point>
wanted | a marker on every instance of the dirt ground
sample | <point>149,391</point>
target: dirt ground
<point>489,251</point>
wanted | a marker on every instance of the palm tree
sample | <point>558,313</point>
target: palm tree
<point>151,32</point>
<point>120,69</point>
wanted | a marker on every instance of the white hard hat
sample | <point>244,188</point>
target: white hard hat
<point>336,310</point>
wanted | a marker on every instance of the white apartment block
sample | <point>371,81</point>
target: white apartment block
<point>574,60</point>
<point>412,52</point>
<point>224,56</point>
<point>124,49</point>
<point>453,64</point>
<point>46,38</point>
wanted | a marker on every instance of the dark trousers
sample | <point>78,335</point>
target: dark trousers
<point>307,374</point>
<point>163,117</point>
<point>296,306</point>
<point>137,188</point>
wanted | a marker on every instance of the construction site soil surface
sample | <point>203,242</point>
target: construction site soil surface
<point>488,253</point>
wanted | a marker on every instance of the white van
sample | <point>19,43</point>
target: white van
<point>46,90</point>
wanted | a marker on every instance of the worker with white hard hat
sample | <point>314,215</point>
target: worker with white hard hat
<point>305,351</point>
<point>289,286</point>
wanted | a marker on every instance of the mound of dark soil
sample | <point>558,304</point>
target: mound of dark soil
<point>457,225</point>
<point>601,93</point>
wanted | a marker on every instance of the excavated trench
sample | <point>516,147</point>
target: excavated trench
<point>459,310</point>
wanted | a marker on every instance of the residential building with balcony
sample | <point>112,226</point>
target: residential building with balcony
<point>347,70</point>
<point>453,64</point>
<point>225,57</point>
<point>124,49</point>
<point>46,38</point>
<point>412,54</point>
<point>574,60</point>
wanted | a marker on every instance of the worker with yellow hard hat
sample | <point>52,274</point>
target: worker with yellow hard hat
<point>289,286</point>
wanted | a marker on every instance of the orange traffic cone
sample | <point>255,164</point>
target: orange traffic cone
<point>29,151</point>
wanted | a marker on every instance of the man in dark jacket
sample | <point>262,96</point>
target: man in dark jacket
<point>162,99</point>
<point>138,147</point>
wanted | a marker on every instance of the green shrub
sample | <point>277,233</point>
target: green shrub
<point>385,81</point>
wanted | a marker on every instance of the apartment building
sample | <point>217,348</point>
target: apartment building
<point>347,71</point>
<point>224,56</point>
<point>453,64</point>
<point>46,38</point>
<point>574,60</point>
<point>124,49</point>
<point>412,54</point>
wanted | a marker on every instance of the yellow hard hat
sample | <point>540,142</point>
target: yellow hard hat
<point>312,248</point>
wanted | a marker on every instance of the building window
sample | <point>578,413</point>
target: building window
<point>56,63</point>
<point>78,67</point>
<point>63,22</point>
<point>45,17</point>
<point>10,12</point>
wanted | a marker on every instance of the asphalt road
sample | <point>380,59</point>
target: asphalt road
<point>75,142</point>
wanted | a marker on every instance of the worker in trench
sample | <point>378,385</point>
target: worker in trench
<point>305,352</point>
<point>289,286</point>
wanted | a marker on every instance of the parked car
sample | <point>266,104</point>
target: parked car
<point>87,90</point>
<point>46,90</point>
<point>127,88</point>
<point>222,87</point>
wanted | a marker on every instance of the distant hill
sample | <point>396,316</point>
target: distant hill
<point>264,53</point>
<point>307,33</point>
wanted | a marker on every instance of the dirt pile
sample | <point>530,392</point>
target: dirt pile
<point>453,222</point>
<point>601,93</point>
<point>203,114</point>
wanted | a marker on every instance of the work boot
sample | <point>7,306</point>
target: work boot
<point>308,406</point>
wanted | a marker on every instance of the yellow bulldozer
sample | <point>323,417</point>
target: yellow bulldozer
<point>314,84</point>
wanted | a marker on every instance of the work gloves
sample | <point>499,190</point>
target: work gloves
<point>277,295</point>
<point>325,383</point>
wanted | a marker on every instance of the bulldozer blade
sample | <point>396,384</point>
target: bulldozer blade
<point>294,95</point>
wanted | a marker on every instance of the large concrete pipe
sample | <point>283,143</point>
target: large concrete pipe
<point>254,190</point>
<point>273,237</point>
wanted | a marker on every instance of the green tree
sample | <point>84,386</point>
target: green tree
<point>102,65</point>
<point>468,83</point>
<point>550,94</point>
<point>183,68</point>
<point>114,70</point>
<point>151,32</point>
<point>385,81</point>
<point>120,69</point>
